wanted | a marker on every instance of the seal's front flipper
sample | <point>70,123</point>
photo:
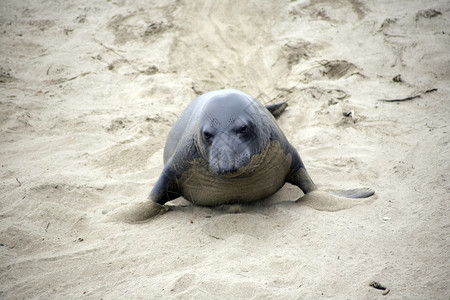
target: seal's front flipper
<point>354,193</point>
<point>323,201</point>
<point>165,188</point>
<point>298,175</point>
<point>277,108</point>
<point>136,212</point>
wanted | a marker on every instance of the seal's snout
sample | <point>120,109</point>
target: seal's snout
<point>223,162</point>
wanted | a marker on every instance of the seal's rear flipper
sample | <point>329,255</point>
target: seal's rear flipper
<point>354,193</point>
<point>277,108</point>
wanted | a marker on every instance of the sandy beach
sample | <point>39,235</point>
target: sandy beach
<point>90,89</point>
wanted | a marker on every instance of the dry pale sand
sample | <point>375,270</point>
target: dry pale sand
<point>90,89</point>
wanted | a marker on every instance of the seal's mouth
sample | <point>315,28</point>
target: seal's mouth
<point>231,173</point>
<point>244,171</point>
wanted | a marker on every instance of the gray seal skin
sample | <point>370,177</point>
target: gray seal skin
<point>227,148</point>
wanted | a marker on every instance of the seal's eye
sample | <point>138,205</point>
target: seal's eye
<point>243,129</point>
<point>207,135</point>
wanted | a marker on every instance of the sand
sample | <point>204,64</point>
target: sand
<point>90,89</point>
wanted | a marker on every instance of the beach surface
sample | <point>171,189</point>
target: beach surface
<point>90,89</point>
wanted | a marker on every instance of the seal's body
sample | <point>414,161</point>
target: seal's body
<point>227,148</point>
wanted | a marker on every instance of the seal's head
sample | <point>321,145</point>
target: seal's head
<point>231,133</point>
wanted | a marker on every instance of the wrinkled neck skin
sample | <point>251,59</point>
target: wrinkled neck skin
<point>263,176</point>
<point>230,133</point>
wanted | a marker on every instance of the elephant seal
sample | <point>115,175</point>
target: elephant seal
<point>227,148</point>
